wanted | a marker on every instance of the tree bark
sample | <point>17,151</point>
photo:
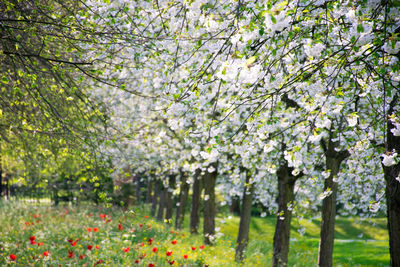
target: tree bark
<point>286,182</point>
<point>328,213</point>
<point>181,208</point>
<point>169,198</point>
<point>209,205</point>
<point>245,216</point>
<point>195,206</point>
<point>138,179</point>
<point>161,204</point>
<point>156,193</point>
<point>393,191</point>
<point>149,189</point>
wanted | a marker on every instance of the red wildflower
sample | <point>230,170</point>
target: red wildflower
<point>137,261</point>
<point>155,249</point>
<point>102,216</point>
<point>174,242</point>
<point>193,248</point>
<point>171,232</point>
<point>125,249</point>
<point>146,217</point>
<point>202,247</point>
<point>150,241</point>
<point>95,229</point>
<point>185,256</point>
<point>39,244</point>
<point>97,247</point>
<point>98,262</point>
<point>32,238</point>
<point>13,257</point>
<point>119,227</point>
<point>81,256</point>
<point>142,244</point>
<point>151,265</point>
<point>36,216</point>
<point>169,253</point>
<point>171,262</point>
<point>89,247</point>
<point>70,240</point>
<point>71,254</point>
<point>142,256</point>
<point>141,225</point>
<point>73,243</point>
<point>46,253</point>
<point>89,229</point>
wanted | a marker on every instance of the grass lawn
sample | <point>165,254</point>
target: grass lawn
<point>54,230</point>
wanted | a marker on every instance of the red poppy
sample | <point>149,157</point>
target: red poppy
<point>36,216</point>
<point>142,244</point>
<point>97,247</point>
<point>89,229</point>
<point>125,249</point>
<point>146,217</point>
<point>119,227</point>
<point>174,242</point>
<point>171,262</point>
<point>39,244</point>
<point>89,247</point>
<point>171,232</point>
<point>95,229</point>
<point>202,247</point>
<point>71,254</point>
<point>32,239</point>
<point>154,249</point>
<point>193,248</point>
<point>141,225</point>
<point>46,253</point>
<point>70,240</point>
<point>185,256</point>
<point>98,262</point>
<point>142,256</point>
<point>102,216</point>
<point>81,256</point>
<point>73,243</point>
<point>151,265</point>
<point>13,257</point>
<point>137,261</point>
<point>169,253</point>
<point>150,241</point>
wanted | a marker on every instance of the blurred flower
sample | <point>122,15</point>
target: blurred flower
<point>193,248</point>
<point>185,256</point>
<point>46,253</point>
<point>89,247</point>
<point>71,254</point>
<point>126,249</point>
<point>95,229</point>
<point>13,257</point>
<point>119,227</point>
<point>174,242</point>
<point>169,253</point>
<point>81,256</point>
<point>155,249</point>
<point>89,229</point>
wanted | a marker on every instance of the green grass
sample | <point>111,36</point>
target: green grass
<point>358,242</point>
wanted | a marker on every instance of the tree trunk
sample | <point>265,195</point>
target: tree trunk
<point>138,181</point>
<point>156,193</point>
<point>1,176</point>
<point>245,216</point>
<point>149,189</point>
<point>161,204</point>
<point>181,208</point>
<point>170,200</point>
<point>209,205</point>
<point>286,183</point>
<point>328,214</point>
<point>195,207</point>
<point>393,191</point>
